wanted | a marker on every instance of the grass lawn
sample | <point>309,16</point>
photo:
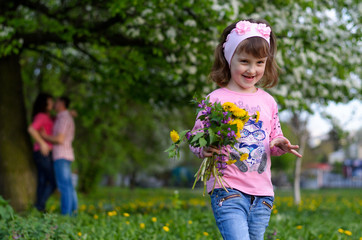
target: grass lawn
<point>114,213</point>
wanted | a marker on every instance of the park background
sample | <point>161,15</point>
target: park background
<point>131,69</point>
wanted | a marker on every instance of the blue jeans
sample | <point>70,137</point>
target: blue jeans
<point>46,184</point>
<point>63,176</point>
<point>240,216</point>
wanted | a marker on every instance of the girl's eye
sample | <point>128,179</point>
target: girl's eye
<point>244,61</point>
<point>261,62</point>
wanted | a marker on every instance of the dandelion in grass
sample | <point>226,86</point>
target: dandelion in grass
<point>127,222</point>
<point>142,225</point>
<point>154,219</point>
<point>205,233</point>
<point>79,234</point>
<point>349,233</point>
<point>95,216</point>
<point>299,227</point>
<point>340,230</point>
<point>190,222</point>
<point>82,207</point>
<point>165,228</point>
<point>126,214</point>
<point>112,213</point>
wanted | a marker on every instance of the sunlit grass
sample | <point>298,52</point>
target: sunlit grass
<point>114,213</point>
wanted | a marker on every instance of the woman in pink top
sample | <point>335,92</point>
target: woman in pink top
<point>42,121</point>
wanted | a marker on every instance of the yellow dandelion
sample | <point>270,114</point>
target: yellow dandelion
<point>238,123</point>
<point>238,135</point>
<point>112,213</point>
<point>127,222</point>
<point>174,136</point>
<point>244,156</point>
<point>82,207</point>
<point>239,112</point>
<point>167,224</point>
<point>79,234</point>
<point>360,238</point>
<point>228,106</point>
<point>154,219</point>
<point>190,222</point>
<point>257,116</point>
<point>205,233</point>
<point>349,233</point>
<point>275,211</point>
<point>230,162</point>
<point>299,227</point>
<point>166,229</point>
<point>142,225</point>
<point>126,214</point>
<point>95,216</point>
<point>340,230</point>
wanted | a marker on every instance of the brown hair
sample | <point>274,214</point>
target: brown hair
<point>256,46</point>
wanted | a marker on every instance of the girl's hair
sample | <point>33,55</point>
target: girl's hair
<point>40,104</point>
<point>256,46</point>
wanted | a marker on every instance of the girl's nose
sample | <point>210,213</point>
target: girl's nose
<point>251,69</point>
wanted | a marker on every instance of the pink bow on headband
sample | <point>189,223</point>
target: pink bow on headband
<point>242,31</point>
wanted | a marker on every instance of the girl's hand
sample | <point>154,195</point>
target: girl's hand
<point>209,151</point>
<point>285,145</point>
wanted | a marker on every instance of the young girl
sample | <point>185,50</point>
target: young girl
<point>245,60</point>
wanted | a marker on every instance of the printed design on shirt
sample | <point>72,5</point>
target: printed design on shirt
<point>252,137</point>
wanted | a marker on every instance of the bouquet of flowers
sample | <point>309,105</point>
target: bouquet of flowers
<point>223,124</point>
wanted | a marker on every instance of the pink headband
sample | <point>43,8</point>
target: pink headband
<point>242,31</point>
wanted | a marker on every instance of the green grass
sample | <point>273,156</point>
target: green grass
<point>114,213</point>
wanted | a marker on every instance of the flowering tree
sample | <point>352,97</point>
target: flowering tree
<point>154,55</point>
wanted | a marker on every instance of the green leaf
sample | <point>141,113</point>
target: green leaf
<point>213,136</point>
<point>202,142</point>
<point>172,147</point>
<point>197,136</point>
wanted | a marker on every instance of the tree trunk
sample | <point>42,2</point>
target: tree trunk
<point>299,128</point>
<point>17,171</point>
<point>298,170</point>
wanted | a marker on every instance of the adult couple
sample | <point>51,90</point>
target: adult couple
<point>53,152</point>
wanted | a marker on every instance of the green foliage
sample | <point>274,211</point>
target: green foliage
<point>6,211</point>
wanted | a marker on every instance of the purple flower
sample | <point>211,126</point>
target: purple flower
<point>221,165</point>
<point>208,110</point>
<point>188,135</point>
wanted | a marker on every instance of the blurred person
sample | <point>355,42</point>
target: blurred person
<point>42,121</point>
<point>63,155</point>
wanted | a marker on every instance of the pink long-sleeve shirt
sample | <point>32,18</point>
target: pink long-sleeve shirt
<point>42,121</point>
<point>253,175</point>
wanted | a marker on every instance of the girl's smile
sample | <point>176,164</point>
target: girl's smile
<point>246,71</point>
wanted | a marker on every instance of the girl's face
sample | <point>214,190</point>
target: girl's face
<point>246,70</point>
<point>50,104</point>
